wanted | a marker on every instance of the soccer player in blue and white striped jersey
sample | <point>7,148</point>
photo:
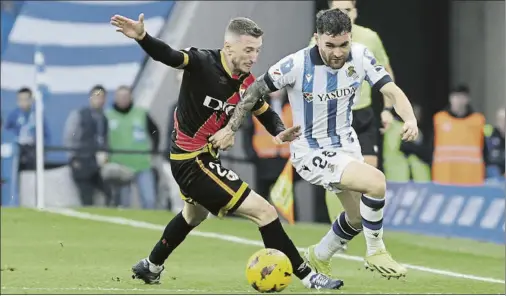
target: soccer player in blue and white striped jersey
<point>322,84</point>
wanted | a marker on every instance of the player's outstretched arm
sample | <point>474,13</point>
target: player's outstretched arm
<point>380,53</point>
<point>224,138</point>
<point>379,78</point>
<point>280,75</point>
<point>403,108</point>
<point>155,48</point>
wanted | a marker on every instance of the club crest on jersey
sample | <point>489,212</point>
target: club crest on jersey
<point>350,72</point>
<point>307,96</point>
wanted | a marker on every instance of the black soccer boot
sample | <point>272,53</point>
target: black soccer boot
<point>141,271</point>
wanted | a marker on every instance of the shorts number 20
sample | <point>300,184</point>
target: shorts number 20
<point>223,172</point>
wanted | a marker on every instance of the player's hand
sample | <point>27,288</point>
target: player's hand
<point>130,28</point>
<point>410,131</point>
<point>386,120</point>
<point>223,139</point>
<point>288,135</point>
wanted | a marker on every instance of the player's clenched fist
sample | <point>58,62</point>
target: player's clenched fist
<point>130,28</point>
<point>409,131</point>
<point>223,139</point>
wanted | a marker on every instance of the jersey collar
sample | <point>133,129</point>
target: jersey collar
<point>227,69</point>
<point>224,63</point>
<point>316,58</point>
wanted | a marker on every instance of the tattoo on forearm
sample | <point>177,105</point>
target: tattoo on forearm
<point>256,90</point>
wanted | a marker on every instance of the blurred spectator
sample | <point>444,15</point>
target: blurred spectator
<point>21,121</point>
<point>495,146</point>
<point>459,144</point>
<point>86,133</point>
<point>131,128</point>
<point>268,158</point>
<point>404,161</point>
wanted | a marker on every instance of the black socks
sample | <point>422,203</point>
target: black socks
<point>275,237</point>
<point>174,234</point>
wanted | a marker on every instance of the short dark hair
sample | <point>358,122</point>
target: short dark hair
<point>461,88</point>
<point>25,90</point>
<point>244,26</point>
<point>329,3</point>
<point>97,88</point>
<point>332,22</point>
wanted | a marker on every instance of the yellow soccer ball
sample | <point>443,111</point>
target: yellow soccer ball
<point>269,270</point>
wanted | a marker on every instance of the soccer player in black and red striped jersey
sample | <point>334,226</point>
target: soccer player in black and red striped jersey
<point>212,84</point>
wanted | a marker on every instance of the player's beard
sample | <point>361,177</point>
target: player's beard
<point>327,60</point>
<point>338,64</point>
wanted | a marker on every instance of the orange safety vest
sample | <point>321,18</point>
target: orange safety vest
<point>458,149</point>
<point>264,144</point>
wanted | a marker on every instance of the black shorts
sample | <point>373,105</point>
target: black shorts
<point>204,181</point>
<point>367,130</point>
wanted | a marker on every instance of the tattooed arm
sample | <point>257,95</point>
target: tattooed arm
<point>253,93</point>
<point>281,75</point>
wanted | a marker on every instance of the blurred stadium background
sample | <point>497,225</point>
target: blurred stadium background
<point>452,234</point>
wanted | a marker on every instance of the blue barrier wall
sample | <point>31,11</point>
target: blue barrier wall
<point>80,49</point>
<point>467,212</point>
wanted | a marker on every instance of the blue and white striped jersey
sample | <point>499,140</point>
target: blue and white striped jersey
<point>321,97</point>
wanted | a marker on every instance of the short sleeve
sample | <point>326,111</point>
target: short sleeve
<point>281,74</point>
<point>375,73</point>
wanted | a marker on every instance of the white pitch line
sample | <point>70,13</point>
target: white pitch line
<point>184,291</point>
<point>105,289</point>
<point>244,241</point>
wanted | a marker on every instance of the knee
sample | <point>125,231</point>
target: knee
<point>378,185</point>
<point>194,217</point>
<point>257,209</point>
<point>266,214</point>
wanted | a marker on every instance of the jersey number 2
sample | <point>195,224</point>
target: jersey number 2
<point>321,163</point>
